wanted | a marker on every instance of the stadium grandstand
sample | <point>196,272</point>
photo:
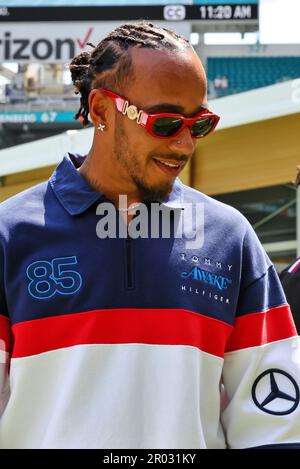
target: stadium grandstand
<point>253,84</point>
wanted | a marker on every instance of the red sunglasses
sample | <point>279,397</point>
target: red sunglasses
<point>165,125</point>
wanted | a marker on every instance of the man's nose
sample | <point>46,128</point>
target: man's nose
<point>183,142</point>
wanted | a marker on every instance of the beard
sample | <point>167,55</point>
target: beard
<point>128,159</point>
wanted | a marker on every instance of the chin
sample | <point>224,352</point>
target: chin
<point>155,193</point>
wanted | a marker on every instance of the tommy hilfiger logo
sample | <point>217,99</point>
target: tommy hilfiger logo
<point>206,261</point>
<point>205,294</point>
<point>204,276</point>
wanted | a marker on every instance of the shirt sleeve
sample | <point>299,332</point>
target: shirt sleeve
<point>5,341</point>
<point>261,374</point>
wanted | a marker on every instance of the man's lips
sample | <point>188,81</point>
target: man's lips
<point>171,167</point>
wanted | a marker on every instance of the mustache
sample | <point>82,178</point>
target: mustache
<point>171,156</point>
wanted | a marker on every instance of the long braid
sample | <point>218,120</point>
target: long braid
<point>107,65</point>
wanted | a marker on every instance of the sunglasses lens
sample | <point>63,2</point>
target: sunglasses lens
<point>166,126</point>
<point>203,126</point>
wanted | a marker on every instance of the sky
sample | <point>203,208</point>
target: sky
<point>279,21</point>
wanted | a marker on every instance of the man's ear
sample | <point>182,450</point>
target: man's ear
<point>98,107</point>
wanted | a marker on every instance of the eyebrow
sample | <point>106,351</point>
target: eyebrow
<point>168,107</point>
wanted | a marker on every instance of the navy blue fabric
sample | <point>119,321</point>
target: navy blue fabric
<point>261,294</point>
<point>229,275</point>
<point>70,188</point>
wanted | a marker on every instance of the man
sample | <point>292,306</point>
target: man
<point>127,341</point>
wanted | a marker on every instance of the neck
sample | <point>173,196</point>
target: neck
<point>104,177</point>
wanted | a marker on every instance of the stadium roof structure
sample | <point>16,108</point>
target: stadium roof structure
<point>235,110</point>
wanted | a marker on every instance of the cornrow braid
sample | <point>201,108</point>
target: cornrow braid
<point>108,66</point>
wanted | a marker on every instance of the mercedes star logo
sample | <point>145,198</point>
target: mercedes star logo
<point>275,392</point>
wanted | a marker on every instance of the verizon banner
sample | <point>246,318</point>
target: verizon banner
<point>48,42</point>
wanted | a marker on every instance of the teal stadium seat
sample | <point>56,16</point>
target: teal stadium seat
<point>248,73</point>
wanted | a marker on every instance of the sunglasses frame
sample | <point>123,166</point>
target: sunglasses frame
<point>147,120</point>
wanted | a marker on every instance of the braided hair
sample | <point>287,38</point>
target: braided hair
<point>109,66</point>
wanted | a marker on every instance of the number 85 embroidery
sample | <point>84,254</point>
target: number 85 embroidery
<point>48,278</point>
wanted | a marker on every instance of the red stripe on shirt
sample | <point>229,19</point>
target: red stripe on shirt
<point>255,329</point>
<point>5,334</point>
<point>118,326</point>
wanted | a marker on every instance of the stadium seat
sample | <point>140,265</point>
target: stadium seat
<point>247,73</point>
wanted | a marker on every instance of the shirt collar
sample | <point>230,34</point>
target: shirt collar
<point>71,189</point>
<point>76,195</point>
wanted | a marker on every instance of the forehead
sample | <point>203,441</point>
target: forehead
<point>167,77</point>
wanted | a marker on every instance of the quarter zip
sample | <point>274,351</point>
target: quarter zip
<point>129,263</point>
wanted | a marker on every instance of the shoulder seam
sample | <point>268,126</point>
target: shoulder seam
<point>258,278</point>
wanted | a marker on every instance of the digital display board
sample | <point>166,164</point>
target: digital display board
<point>114,3</point>
<point>231,11</point>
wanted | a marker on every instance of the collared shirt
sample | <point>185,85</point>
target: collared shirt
<point>123,342</point>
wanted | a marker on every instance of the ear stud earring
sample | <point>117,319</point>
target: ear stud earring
<point>101,127</point>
